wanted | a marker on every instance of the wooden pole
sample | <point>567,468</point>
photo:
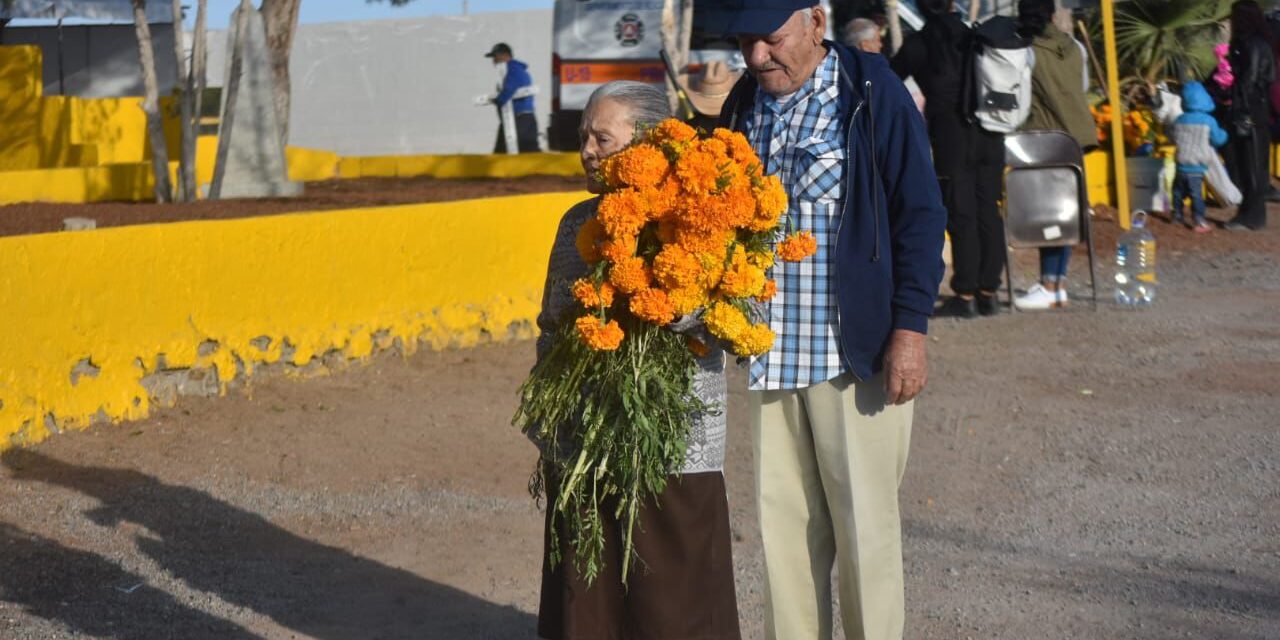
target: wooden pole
<point>1120,170</point>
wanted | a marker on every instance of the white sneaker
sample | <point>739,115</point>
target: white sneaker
<point>1039,298</point>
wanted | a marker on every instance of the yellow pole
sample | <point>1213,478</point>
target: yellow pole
<point>1117,117</point>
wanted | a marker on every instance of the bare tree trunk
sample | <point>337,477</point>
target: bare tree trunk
<point>229,102</point>
<point>281,19</point>
<point>151,102</point>
<point>186,172</point>
<point>191,94</point>
<point>199,61</point>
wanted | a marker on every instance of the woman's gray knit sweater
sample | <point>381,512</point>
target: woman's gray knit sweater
<point>706,443</point>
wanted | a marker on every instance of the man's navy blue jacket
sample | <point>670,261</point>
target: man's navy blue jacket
<point>516,78</point>
<point>889,241</point>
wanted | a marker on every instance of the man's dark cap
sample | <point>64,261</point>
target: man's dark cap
<point>754,17</point>
<point>501,47</point>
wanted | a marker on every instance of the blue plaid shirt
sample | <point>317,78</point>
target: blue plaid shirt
<point>802,140</point>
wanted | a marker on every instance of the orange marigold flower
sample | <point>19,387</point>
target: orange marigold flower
<point>598,335</point>
<point>664,200</point>
<point>590,235</point>
<point>675,267</point>
<point>725,321</point>
<point>672,130</point>
<point>592,295</point>
<point>742,281</point>
<point>698,347</point>
<point>686,300</point>
<point>739,148</point>
<point>696,241</point>
<point>652,305</point>
<point>771,203</point>
<point>762,259</point>
<point>797,247</point>
<point>640,166</point>
<point>769,291</point>
<point>698,171</point>
<point>629,275</point>
<point>716,147</point>
<point>619,248</point>
<point>623,212</point>
<point>754,340</point>
<point>717,213</point>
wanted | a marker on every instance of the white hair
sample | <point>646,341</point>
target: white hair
<point>858,31</point>
<point>647,103</point>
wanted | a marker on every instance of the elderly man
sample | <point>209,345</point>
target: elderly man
<point>832,402</point>
<point>862,34</point>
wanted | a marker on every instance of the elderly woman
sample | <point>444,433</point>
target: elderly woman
<point>684,586</point>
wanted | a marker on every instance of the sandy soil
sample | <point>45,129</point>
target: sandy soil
<point>18,219</point>
<point>1074,474</point>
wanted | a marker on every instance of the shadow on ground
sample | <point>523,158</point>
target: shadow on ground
<point>238,556</point>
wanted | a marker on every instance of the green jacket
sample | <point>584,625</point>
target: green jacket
<point>1057,97</point>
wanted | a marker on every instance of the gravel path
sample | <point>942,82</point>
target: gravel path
<point>1073,475</point>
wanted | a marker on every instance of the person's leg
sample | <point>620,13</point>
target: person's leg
<point>990,187</point>
<point>862,446</point>
<point>1195,190</point>
<point>952,141</point>
<point>684,588</point>
<point>795,527</point>
<point>1252,165</point>
<point>1052,266</point>
<point>527,133</point>
<point>1179,194</point>
<point>1257,213</point>
<point>500,145</point>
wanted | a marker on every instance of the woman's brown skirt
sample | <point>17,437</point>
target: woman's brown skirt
<point>681,590</point>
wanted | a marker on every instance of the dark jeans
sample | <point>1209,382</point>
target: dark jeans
<point>1053,263</point>
<point>1254,174</point>
<point>970,165</point>
<point>526,134</point>
<point>1188,185</point>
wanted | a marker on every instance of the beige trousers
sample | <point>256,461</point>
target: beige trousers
<point>829,459</point>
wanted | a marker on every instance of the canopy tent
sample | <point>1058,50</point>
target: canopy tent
<point>115,10</point>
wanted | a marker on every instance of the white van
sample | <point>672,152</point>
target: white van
<point>597,41</point>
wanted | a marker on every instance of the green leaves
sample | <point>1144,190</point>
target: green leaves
<point>1166,39</point>
<point>613,425</point>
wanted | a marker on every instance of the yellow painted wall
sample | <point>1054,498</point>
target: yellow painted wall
<point>461,166</point>
<point>446,274</point>
<point>20,90</point>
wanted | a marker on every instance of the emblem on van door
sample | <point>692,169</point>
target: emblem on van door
<point>629,30</point>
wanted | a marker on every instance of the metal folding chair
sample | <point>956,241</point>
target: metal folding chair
<point>1046,199</point>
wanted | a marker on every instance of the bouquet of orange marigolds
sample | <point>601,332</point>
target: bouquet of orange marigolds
<point>688,227</point>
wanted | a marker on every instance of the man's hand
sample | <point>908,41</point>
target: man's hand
<point>905,369</point>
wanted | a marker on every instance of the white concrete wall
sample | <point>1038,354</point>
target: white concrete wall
<point>405,86</point>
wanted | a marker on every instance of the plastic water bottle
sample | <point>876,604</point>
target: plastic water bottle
<point>1136,264</point>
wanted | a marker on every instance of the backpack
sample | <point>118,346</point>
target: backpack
<point>1000,84</point>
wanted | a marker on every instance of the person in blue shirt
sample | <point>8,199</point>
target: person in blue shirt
<point>1196,133</point>
<point>517,85</point>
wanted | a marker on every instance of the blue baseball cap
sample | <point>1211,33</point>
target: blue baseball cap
<point>756,17</point>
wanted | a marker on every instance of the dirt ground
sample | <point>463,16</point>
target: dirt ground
<point>37,217</point>
<point>1073,474</point>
